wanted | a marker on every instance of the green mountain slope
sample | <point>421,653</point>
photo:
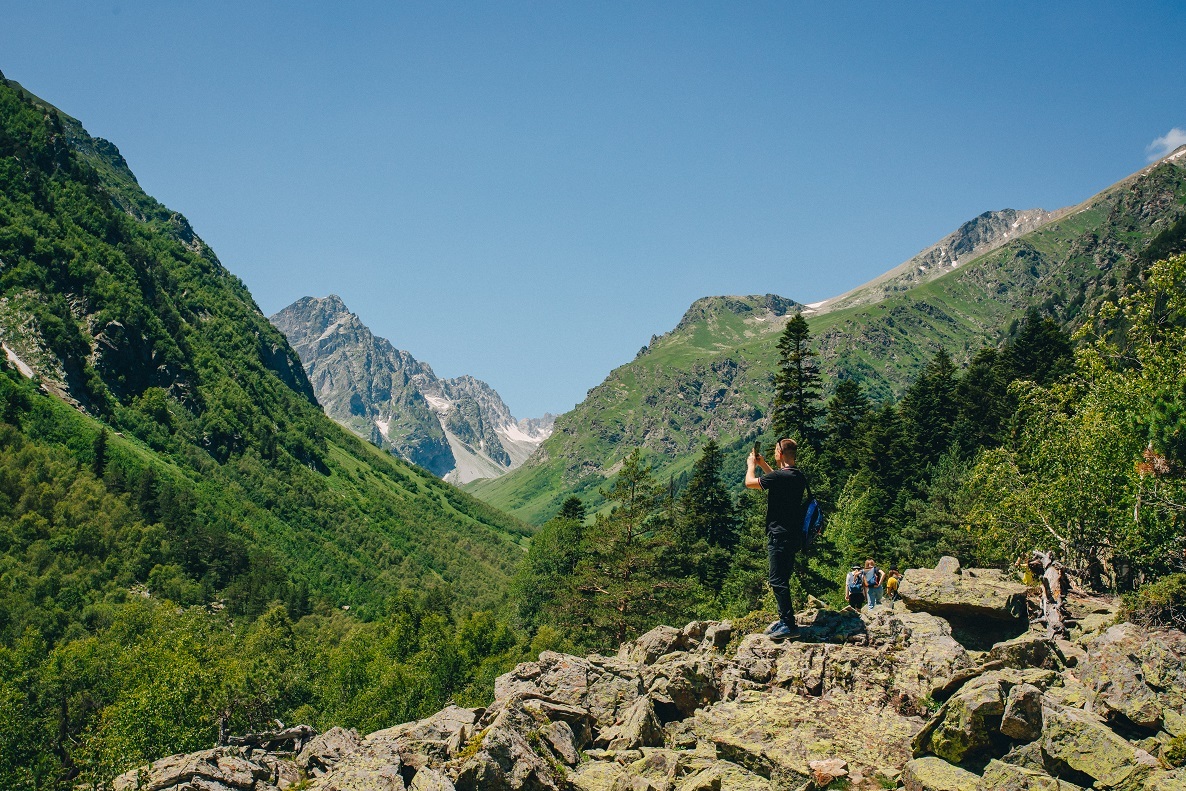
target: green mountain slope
<point>710,376</point>
<point>239,486</point>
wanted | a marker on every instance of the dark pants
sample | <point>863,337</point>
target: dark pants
<point>780,557</point>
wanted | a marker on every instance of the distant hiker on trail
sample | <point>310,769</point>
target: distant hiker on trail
<point>874,579</point>
<point>891,584</point>
<point>784,525</point>
<point>854,588</point>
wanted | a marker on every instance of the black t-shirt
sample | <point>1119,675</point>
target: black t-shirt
<point>784,507</point>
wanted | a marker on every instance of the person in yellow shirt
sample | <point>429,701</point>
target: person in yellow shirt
<point>891,584</point>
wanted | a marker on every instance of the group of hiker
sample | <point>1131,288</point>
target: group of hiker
<point>869,586</point>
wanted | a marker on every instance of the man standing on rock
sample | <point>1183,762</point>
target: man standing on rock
<point>784,525</point>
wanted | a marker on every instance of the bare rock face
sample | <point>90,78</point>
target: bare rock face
<point>872,699</point>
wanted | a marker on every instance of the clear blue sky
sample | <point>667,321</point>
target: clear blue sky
<point>528,191</point>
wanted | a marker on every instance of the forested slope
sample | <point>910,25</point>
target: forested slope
<point>167,478</point>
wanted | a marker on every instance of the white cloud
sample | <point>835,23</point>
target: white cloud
<point>1166,143</point>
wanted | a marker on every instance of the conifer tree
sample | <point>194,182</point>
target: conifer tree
<point>706,508</point>
<point>99,453</point>
<point>619,585</point>
<point>1041,353</point>
<point>844,434</point>
<point>796,411</point>
<point>929,409</point>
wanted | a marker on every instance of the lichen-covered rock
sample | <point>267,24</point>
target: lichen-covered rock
<point>924,654</point>
<point>639,728</point>
<point>325,750</point>
<point>656,643</point>
<point>430,780</point>
<point>212,770</point>
<point>601,776</point>
<point>1082,742</point>
<point>560,739</point>
<point>983,593</point>
<point>1000,776</point>
<point>680,683</point>
<point>935,774</point>
<point>1028,650</point>
<point>504,760</point>
<point>969,723</point>
<point>724,775</point>
<point>777,733</point>
<point>374,766</point>
<point>717,635</point>
<point>1022,718</point>
<point>1135,675</point>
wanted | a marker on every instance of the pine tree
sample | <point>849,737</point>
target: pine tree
<point>706,509</point>
<point>1041,352</point>
<point>619,585</point>
<point>796,411</point>
<point>99,453</point>
<point>982,398</point>
<point>930,408</point>
<point>572,509</point>
<point>844,430</point>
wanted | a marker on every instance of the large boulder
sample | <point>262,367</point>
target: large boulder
<point>964,593</point>
<point>639,727</point>
<point>970,723</point>
<point>778,733</point>
<point>1000,776</point>
<point>220,769</point>
<point>1081,742</point>
<point>934,774</point>
<point>1136,676</point>
<point>324,751</point>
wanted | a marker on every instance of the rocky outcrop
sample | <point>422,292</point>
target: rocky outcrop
<point>948,590</point>
<point>457,428</point>
<point>871,700</point>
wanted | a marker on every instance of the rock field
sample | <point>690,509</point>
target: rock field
<point>881,700</point>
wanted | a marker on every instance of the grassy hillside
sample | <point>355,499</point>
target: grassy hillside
<point>240,485</point>
<point>710,377</point>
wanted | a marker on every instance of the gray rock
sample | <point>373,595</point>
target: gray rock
<point>430,780</point>
<point>972,593</point>
<point>325,750</point>
<point>560,738</point>
<point>638,728</point>
<point>718,635</point>
<point>214,770</point>
<point>1135,675</point>
<point>948,565</point>
<point>1000,776</point>
<point>654,644</point>
<point>1022,719</point>
<point>1082,741</point>
<point>934,774</point>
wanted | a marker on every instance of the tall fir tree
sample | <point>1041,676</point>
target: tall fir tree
<point>620,588</point>
<point>1041,353</point>
<point>796,411</point>
<point>705,507</point>
<point>844,431</point>
<point>929,409</point>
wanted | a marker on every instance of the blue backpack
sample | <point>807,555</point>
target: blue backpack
<point>813,519</point>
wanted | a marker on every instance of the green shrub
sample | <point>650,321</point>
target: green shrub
<point>1160,603</point>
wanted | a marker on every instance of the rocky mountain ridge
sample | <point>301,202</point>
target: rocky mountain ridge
<point>711,376</point>
<point>897,697</point>
<point>980,235</point>
<point>458,428</point>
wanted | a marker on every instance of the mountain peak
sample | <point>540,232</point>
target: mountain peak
<point>757,306</point>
